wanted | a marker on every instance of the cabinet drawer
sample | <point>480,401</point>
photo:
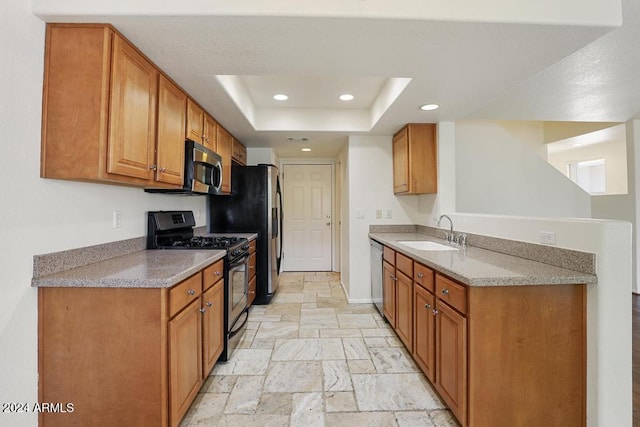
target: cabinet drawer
<point>423,276</point>
<point>185,292</point>
<point>212,274</point>
<point>452,293</point>
<point>404,264</point>
<point>390,255</point>
<point>252,246</point>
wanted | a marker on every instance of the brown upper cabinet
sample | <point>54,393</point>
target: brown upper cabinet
<point>415,160</point>
<point>239,152</point>
<point>171,125</point>
<point>225,142</point>
<point>201,127</point>
<point>100,105</point>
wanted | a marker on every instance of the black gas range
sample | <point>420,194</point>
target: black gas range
<point>170,230</point>
<point>174,230</point>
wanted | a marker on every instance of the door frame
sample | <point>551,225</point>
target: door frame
<point>336,221</point>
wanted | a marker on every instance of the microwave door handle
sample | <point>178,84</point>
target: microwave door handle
<point>218,166</point>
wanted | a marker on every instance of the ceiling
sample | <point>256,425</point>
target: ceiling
<point>233,64</point>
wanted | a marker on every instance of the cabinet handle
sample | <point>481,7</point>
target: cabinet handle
<point>427,306</point>
<point>209,304</point>
<point>420,275</point>
<point>445,291</point>
<point>217,273</point>
<point>153,167</point>
<point>191,292</point>
<point>435,312</point>
<point>162,169</point>
<point>202,310</point>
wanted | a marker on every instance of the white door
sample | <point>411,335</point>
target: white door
<point>307,217</point>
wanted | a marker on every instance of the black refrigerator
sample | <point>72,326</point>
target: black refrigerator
<point>254,206</point>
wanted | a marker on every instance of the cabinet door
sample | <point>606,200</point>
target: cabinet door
<point>424,351</point>
<point>239,152</point>
<point>404,309</point>
<point>224,141</point>
<point>195,122</point>
<point>212,326</point>
<point>451,359</point>
<point>185,360</point>
<point>389,293</point>
<point>210,133</point>
<point>171,128</point>
<point>401,162</point>
<point>132,125</point>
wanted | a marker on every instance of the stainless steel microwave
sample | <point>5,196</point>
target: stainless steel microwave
<point>202,171</point>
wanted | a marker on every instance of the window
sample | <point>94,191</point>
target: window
<point>588,174</point>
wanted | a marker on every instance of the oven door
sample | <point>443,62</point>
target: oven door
<point>238,287</point>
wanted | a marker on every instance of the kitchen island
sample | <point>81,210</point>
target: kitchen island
<point>502,338</point>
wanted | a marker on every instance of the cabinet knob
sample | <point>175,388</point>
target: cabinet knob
<point>153,167</point>
<point>445,291</point>
<point>420,275</point>
<point>209,304</point>
<point>162,169</point>
<point>435,312</point>
<point>202,310</point>
<point>191,292</point>
<point>427,306</point>
<point>217,273</point>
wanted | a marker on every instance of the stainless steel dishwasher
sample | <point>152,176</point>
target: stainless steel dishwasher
<point>376,274</point>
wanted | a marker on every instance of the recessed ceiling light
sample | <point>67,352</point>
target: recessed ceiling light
<point>305,149</point>
<point>280,97</point>
<point>429,107</point>
<point>346,97</point>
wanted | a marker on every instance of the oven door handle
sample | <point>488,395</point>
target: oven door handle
<point>239,328</point>
<point>239,261</point>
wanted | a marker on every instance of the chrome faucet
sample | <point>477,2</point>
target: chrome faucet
<point>449,235</point>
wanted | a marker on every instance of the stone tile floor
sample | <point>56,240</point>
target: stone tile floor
<point>312,359</point>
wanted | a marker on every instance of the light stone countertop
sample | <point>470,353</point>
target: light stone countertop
<point>480,267</point>
<point>96,266</point>
<point>143,269</point>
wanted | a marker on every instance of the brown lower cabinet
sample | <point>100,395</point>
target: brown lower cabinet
<point>497,355</point>
<point>251,273</point>
<point>128,356</point>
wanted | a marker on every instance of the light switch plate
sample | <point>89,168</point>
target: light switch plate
<point>117,217</point>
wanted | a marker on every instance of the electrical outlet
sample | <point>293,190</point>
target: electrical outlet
<point>389,214</point>
<point>378,213</point>
<point>548,237</point>
<point>117,216</point>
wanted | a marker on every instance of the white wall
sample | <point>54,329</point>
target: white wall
<point>633,169</point>
<point>614,154</point>
<point>370,187</point>
<point>40,216</point>
<point>343,171</point>
<point>499,174</point>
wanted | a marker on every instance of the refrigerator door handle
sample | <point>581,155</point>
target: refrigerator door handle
<point>280,238</point>
<point>274,222</point>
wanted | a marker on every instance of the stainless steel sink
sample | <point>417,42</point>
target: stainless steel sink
<point>426,245</point>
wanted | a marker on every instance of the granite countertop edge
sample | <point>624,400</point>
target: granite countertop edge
<point>143,269</point>
<point>474,265</point>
